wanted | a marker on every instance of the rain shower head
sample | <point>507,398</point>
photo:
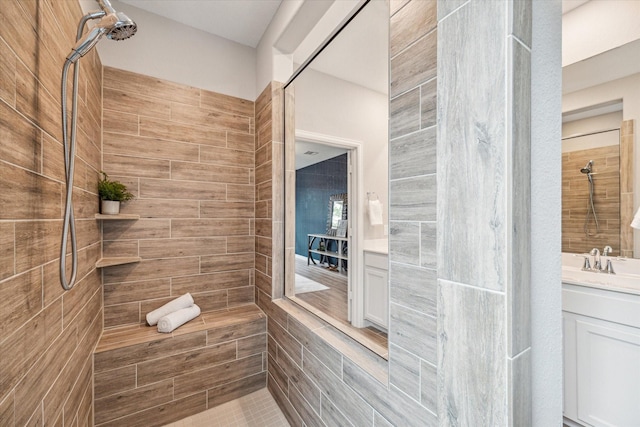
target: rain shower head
<point>115,25</point>
<point>587,168</point>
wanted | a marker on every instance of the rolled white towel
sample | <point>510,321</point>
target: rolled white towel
<point>178,318</point>
<point>184,301</point>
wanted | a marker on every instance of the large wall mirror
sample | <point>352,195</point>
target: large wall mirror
<point>336,179</point>
<point>598,176</point>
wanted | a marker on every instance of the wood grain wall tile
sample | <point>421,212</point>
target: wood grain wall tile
<point>211,264</point>
<point>27,195</point>
<point>20,299</point>
<point>119,293</point>
<point>37,242</point>
<point>115,121</point>
<point>161,208</point>
<point>163,414</point>
<point>226,156</point>
<point>128,81</point>
<point>111,407</point>
<point>404,114</point>
<point>171,189</point>
<point>240,296</point>
<point>211,377</point>
<point>241,141</point>
<point>208,173</point>
<point>163,129</point>
<point>240,193</point>
<point>413,21</point>
<point>151,269</point>
<point>209,281</point>
<point>135,166</point>
<point>167,248</point>
<point>209,227</point>
<point>231,104</point>
<point>213,209</point>
<point>7,75</point>
<point>133,103</point>
<point>142,229</point>
<point>168,367</point>
<point>414,66</point>
<point>152,148</point>
<point>211,118</point>
<point>7,250</point>
<point>233,390</point>
<point>21,142</point>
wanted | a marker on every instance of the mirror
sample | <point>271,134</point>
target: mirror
<point>336,157</point>
<point>599,116</point>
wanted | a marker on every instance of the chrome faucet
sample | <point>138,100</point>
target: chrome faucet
<point>597,264</point>
<point>607,250</point>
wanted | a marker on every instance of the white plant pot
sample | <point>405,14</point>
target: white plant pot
<point>110,207</point>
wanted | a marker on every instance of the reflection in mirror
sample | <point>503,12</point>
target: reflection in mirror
<point>336,152</point>
<point>599,151</point>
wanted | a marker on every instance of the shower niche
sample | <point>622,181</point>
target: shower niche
<point>111,261</point>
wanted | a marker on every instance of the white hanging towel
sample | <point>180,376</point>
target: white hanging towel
<point>375,212</point>
<point>636,220</point>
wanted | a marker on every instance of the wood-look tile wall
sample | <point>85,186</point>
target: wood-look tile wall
<point>47,336</point>
<point>484,224</point>
<point>606,200</point>
<point>188,156</point>
<point>145,378</point>
<point>316,382</point>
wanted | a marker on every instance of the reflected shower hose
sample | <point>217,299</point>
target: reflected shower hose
<point>590,209</point>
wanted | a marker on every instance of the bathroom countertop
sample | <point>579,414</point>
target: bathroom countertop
<point>629,284</point>
<point>380,246</point>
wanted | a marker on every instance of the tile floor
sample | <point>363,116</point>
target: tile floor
<point>257,409</point>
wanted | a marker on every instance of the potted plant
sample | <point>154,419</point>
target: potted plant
<point>111,194</point>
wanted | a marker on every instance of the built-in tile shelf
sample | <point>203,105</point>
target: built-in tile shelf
<point>111,261</point>
<point>117,217</point>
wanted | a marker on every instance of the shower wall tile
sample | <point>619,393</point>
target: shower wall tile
<point>415,65</point>
<point>471,146</point>
<point>7,250</point>
<point>191,154</point>
<point>411,23</point>
<point>471,391</point>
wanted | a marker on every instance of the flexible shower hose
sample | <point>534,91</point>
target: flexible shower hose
<point>591,209</point>
<point>69,147</point>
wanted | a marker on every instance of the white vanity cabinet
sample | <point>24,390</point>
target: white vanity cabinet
<point>376,288</point>
<point>601,356</point>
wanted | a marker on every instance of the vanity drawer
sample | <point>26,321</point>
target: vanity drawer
<point>373,259</point>
<point>601,304</point>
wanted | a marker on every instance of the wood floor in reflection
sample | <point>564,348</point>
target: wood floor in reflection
<point>332,301</point>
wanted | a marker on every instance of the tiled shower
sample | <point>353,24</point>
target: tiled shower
<point>206,170</point>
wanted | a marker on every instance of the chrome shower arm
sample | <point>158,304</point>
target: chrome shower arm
<point>83,21</point>
<point>106,6</point>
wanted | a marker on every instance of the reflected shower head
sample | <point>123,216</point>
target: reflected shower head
<point>587,168</point>
<point>115,25</point>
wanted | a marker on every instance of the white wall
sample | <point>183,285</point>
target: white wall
<point>588,31</point>
<point>592,124</point>
<point>172,51</point>
<point>546,299</point>
<point>627,89</point>
<point>334,107</point>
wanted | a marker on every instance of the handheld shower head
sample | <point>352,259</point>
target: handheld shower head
<point>115,25</point>
<point>587,169</point>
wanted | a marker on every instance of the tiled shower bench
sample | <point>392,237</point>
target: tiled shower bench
<point>146,378</point>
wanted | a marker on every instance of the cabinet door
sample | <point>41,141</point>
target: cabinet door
<point>608,374</point>
<point>376,295</point>
<point>570,369</point>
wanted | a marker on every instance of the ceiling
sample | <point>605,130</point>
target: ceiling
<point>243,21</point>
